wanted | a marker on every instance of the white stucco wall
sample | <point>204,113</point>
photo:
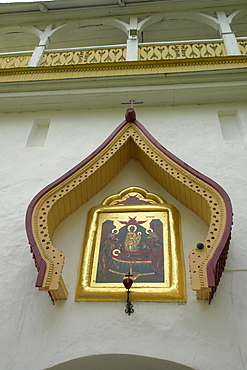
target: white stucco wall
<point>36,334</point>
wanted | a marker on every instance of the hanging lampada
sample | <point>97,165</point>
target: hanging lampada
<point>127,282</point>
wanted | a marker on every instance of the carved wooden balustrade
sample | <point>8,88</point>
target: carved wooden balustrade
<point>104,55</point>
<point>110,54</point>
<point>182,51</point>
<point>243,46</point>
<point>14,61</point>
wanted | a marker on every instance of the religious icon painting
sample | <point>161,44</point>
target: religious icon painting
<point>132,232</point>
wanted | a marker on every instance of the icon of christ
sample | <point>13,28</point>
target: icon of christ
<point>136,232</point>
<point>136,247</point>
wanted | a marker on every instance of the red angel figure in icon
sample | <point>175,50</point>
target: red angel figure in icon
<point>132,221</point>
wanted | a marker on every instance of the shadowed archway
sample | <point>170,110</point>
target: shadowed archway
<point>119,362</point>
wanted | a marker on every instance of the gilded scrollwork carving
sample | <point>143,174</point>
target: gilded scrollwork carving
<point>243,46</point>
<point>182,51</point>
<point>84,57</point>
<point>14,61</point>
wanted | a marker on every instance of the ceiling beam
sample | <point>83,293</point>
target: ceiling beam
<point>60,10</point>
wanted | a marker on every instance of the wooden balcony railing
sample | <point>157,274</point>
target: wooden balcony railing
<point>243,46</point>
<point>106,55</point>
<point>14,61</point>
<point>115,54</point>
<point>182,51</point>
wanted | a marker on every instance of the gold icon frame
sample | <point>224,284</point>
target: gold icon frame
<point>171,289</point>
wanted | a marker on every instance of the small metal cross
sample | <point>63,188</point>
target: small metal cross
<point>132,102</point>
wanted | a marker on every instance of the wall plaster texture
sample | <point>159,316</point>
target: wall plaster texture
<point>37,335</point>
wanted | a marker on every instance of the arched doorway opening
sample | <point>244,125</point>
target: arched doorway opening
<point>119,362</point>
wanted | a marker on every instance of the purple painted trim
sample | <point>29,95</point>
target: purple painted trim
<point>211,266</point>
<point>41,274</point>
<point>225,239</point>
<point>39,262</point>
<point>132,202</point>
<point>130,117</point>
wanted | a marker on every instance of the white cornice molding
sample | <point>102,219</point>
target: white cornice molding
<point>60,10</point>
<point>181,89</point>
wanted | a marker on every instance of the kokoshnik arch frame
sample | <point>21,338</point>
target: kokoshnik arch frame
<point>130,140</point>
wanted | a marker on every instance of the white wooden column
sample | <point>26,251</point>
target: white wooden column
<point>132,30</point>
<point>132,41</point>
<point>44,40</point>
<point>230,41</point>
<point>39,50</point>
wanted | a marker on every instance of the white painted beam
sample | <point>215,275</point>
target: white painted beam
<point>44,39</point>
<point>228,36</point>
<point>131,29</point>
<point>132,41</point>
<point>39,50</point>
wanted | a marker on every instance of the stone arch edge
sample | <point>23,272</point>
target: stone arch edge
<point>105,361</point>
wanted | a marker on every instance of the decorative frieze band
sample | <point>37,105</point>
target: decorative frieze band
<point>162,52</point>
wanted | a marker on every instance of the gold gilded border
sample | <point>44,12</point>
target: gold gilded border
<point>151,197</point>
<point>171,290</point>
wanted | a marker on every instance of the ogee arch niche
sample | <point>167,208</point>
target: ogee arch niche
<point>130,140</point>
<point>70,233</point>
